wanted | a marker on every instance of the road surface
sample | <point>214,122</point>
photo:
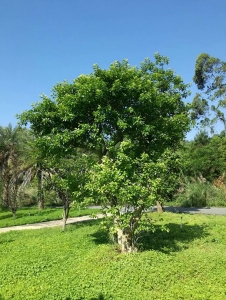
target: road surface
<point>174,209</point>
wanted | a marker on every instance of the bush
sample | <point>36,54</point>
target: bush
<point>198,193</point>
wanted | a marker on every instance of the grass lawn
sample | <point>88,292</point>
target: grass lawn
<point>33,215</point>
<point>80,263</point>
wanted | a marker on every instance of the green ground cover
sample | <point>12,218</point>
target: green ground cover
<point>32,215</point>
<point>80,263</point>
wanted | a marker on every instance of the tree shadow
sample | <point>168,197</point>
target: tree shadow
<point>99,297</point>
<point>29,213</point>
<point>6,242</point>
<point>183,209</point>
<point>42,212</point>
<point>85,223</point>
<point>8,216</point>
<point>101,237</point>
<point>173,240</point>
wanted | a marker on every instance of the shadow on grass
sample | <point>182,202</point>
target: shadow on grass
<point>27,213</point>
<point>6,242</point>
<point>7,216</point>
<point>85,223</point>
<point>99,297</point>
<point>176,239</point>
<point>100,236</point>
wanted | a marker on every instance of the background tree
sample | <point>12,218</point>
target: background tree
<point>67,179</point>
<point>13,150</point>
<point>205,156</point>
<point>109,109</point>
<point>210,77</point>
<point>37,169</point>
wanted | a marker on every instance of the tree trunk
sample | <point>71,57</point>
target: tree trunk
<point>40,190</point>
<point>5,198</point>
<point>13,197</point>
<point>14,214</point>
<point>66,208</point>
<point>65,213</point>
<point>64,222</point>
<point>125,236</point>
<point>6,191</point>
<point>159,207</point>
<point>125,240</point>
<point>224,121</point>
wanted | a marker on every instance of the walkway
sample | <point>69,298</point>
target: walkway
<point>174,209</point>
<point>48,224</point>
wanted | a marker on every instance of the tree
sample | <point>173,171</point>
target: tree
<point>201,138</point>
<point>204,156</point>
<point>13,151</point>
<point>67,179</point>
<point>124,111</point>
<point>37,168</point>
<point>127,186</point>
<point>18,144</point>
<point>210,77</point>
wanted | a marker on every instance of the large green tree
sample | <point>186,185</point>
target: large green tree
<point>210,78</point>
<point>121,114</point>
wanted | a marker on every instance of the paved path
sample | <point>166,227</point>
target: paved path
<point>194,210</point>
<point>47,224</point>
<point>190,210</point>
<point>174,209</point>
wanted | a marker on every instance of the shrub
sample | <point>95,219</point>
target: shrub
<point>198,192</point>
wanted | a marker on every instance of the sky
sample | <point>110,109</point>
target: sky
<point>43,42</point>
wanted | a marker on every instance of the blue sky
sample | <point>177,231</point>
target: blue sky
<point>47,41</point>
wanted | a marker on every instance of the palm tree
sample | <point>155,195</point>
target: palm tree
<point>37,169</point>
<point>12,154</point>
<point>8,159</point>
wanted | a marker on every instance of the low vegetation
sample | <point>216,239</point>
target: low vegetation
<point>33,215</point>
<point>199,193</point>
<point>116,138</point>
<point>80,263</point>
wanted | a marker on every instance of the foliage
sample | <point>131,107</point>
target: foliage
<point>202,162</point>
<point>67,180</point>
<point>79,264</point>
<point>100,110</point>
<point>127,186</point>
<point>21,164</point>
<point>102,113</point>
<point>210,77</point>
<point>204,155</point>
<point>198,192</point>
<point>13,151</point>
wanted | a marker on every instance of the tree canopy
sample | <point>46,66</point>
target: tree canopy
<point>100,110</point>
<point>210,78</point>
<point>130,119</point>
<point>205,156</point>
